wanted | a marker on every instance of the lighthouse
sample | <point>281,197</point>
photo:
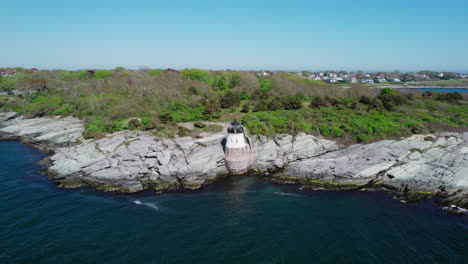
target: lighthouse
<point>235,139</point>
<point>239,155</point>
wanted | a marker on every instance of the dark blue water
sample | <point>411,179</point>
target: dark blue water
<point>444,90</point>
<point>240,220</point>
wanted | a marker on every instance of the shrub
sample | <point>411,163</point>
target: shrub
<point>102,74</point>
<point>197,74</point>
<point>291,103</point>
<point>166,118</point>
<point>325,130</point>
<point>64,110</point>
<point>199,124</point>
<point>245,108</point>
<point>260,106</point>
<point>183,131</point>
<point>229,99</point>
<point>387,91</point>
<point>244,95</point>
<point>363,137</point>
<point>266,85</point>
<point>109,127</point>
<point>43,105</point>
<point>213,128</point>
<point>212,109</point>
<point>317,102</point>
<point>134,124</point>
<point>83,75</point>
<point>154,72</point>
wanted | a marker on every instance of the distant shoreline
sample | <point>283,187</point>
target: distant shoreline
<point>397,86</point>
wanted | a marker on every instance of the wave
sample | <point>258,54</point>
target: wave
<point>150,205</point>
<point>289,194</point>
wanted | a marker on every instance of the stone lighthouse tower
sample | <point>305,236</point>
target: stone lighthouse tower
<point>239,155</point>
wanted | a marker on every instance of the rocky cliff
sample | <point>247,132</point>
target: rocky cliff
<point>421,165</point>
<point>130,161</point>
<point>46,132</point>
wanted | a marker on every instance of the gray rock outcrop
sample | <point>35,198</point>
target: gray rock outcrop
<point>130,161</point>
<point>432,164</point>
<point>51,132</point>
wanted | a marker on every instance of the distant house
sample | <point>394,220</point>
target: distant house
<point>34,69</point>
<point>171,70</point>
<point>440,75</point>
<point>7,72</point>
<point>367,81</point>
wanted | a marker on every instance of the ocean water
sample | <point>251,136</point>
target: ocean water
<point>242,219</point>
<point>444,90</point>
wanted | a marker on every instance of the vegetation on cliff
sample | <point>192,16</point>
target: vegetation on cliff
<point>156,99</point>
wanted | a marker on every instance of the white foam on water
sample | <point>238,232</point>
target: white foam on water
<point>289,194</point>
<point>150,205</point>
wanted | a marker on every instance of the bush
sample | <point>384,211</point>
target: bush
<point>197,74</point>
<point>266,85</point>
<point>110,127</point>
<point>102,74</point>
<point>244,95</point>
<point>317,102</point>
<point>199,124</point>
<point>212,128</point>
<point>245,108</point>
<point>291,103</point>
<point>154,72</point>
<point>134,124</point>
<point>212,109</point>
<point>260,106</point>
<point>363,137</point>
<point>166,118</point>
<point>183,131</point>
<point>64,110</point>
<point>229,99</point>
<point>43,105</point>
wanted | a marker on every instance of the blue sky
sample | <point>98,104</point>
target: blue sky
<point>237,34</point>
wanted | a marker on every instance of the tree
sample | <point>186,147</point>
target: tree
<point>385,91</point>
<point>244,95</point>
<point>266,85</point>
<point>259,95</point>
<point>229,99</point>
<point>212,108</point>
<point>83,75</point>
<point>235,79</point>
<point>102,74</point>
<point>291,103</point>
<point>8,83</point>
<point>197,74</point>
<point>260,106</point>
<point>317,102</point>
<point>38,84</point>
<point>154,72</point>
<point>274,104</point>
<point>358,90</point>
<point>119,69</point>
<point>245,108</point>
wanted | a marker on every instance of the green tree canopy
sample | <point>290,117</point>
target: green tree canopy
<point>102,74</point>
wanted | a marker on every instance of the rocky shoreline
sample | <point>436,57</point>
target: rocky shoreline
<point>132,161</point>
